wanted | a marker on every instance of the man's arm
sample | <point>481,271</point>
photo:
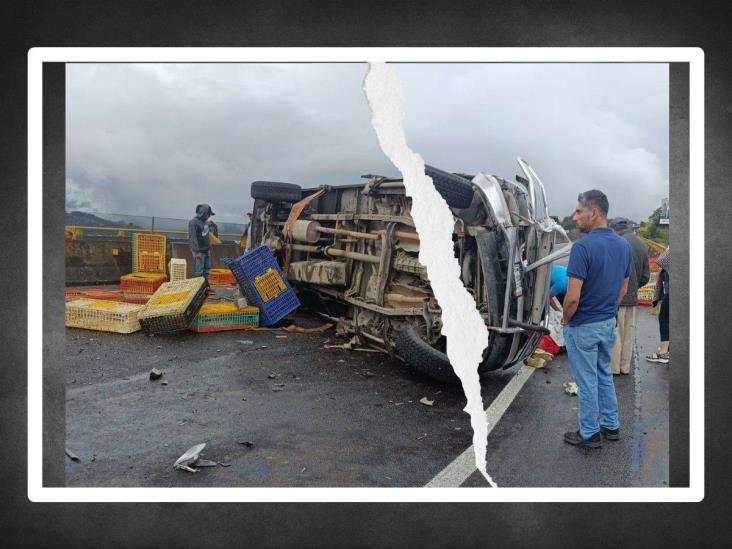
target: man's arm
<point>623,290</point>
<point>645,273</point>
<point>552,300</point>
<point>193,238</point>
<point>571,299</point>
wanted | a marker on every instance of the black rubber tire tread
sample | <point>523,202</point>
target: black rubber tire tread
<point>423,358</point>
<point>276,191</point>
<point>457,191</point>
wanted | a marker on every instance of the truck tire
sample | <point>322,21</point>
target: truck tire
<point>423,358</point>
<point>457,191</point>
<point>275,191</point>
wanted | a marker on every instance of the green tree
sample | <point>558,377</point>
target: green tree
<point>653,230</point>
<point>568,224</point>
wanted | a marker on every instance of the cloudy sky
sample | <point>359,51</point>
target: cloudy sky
<point>153,139</point>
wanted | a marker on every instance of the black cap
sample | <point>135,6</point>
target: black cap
<point>620,223</point>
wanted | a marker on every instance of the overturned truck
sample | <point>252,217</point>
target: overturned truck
<point>352,253</point>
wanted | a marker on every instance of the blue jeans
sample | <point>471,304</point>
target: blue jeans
<point>203,265</point>
<point>588,347</point>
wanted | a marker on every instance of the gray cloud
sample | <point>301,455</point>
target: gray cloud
<point>156,139</point>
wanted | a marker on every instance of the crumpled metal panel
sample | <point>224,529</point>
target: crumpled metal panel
<point>330,273</point>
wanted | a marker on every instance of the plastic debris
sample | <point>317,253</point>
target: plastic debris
<point>163,383</point>
<point>535,361</point>
<point>426,401</point>
<point>155,374</point>
<point>247,443</point>
<point>189,458</point>
<point>273,375</point>
<point>571,388</point>
<point>72,456</point>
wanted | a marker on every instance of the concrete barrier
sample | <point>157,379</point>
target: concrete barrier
<point>97,261</point>
<point>104,260</point>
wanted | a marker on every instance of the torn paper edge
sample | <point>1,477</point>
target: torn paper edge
<point>462,325</point>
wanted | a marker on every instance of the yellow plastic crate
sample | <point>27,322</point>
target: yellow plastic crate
<point>148,253</point>
<point>269,285</point>
<point>646,293</point>
<point>102,315</point>
<point>173,305</point>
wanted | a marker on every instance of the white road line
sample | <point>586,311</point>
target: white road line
<point>463,466</point>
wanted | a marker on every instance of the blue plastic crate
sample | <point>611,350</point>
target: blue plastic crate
<point>256,263</point>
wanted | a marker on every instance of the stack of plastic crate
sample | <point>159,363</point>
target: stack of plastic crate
<point>102,315</point>
<point>221,277</point>
<point>141,283</point>
<point>177,269</point>
<point>264,285</point>
<point>148,268</point>
<point>148,253</point>
<point>225,316</point>
<point>174,305</point>
<point>93,293</point>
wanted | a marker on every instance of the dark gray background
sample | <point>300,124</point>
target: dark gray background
<point>308,24</point>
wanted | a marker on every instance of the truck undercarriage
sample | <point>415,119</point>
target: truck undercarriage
<point>352,254</point>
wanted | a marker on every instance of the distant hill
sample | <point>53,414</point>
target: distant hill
<point>85,219</point>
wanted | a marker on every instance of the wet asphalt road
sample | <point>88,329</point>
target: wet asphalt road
<point>527,449</point>
<point>327,417</point>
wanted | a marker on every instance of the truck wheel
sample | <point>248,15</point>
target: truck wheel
<point>275,191</point>
<point>457,191</point>
<point>424,358</point>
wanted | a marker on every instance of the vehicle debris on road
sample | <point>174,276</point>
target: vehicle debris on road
<point>190,458</point>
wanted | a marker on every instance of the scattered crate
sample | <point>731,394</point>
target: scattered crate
<point>131,297</point>
<point>174,305</point>
<point>141,283</point>
<point>103,315</point>
<point>177,269</point>
<point>264,285</point>
<point>645,294</point>
<point>148,253</point>
<point>225,316</point>
<point>221,277</point>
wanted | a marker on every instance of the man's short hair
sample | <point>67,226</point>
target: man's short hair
<point>594,199</point>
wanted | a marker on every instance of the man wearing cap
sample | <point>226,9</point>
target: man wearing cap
<point>640,273</point>
<point>200,242</point>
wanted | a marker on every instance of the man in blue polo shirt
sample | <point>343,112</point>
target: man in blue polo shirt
<point>598,271</point>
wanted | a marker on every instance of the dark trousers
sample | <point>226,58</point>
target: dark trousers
<point>663,318</point>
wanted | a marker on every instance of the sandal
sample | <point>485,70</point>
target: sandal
<point>663,358</point>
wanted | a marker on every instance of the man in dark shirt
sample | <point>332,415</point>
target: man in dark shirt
<point>199,240</point>
<point>599,268</point>
<point>640,273</point>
